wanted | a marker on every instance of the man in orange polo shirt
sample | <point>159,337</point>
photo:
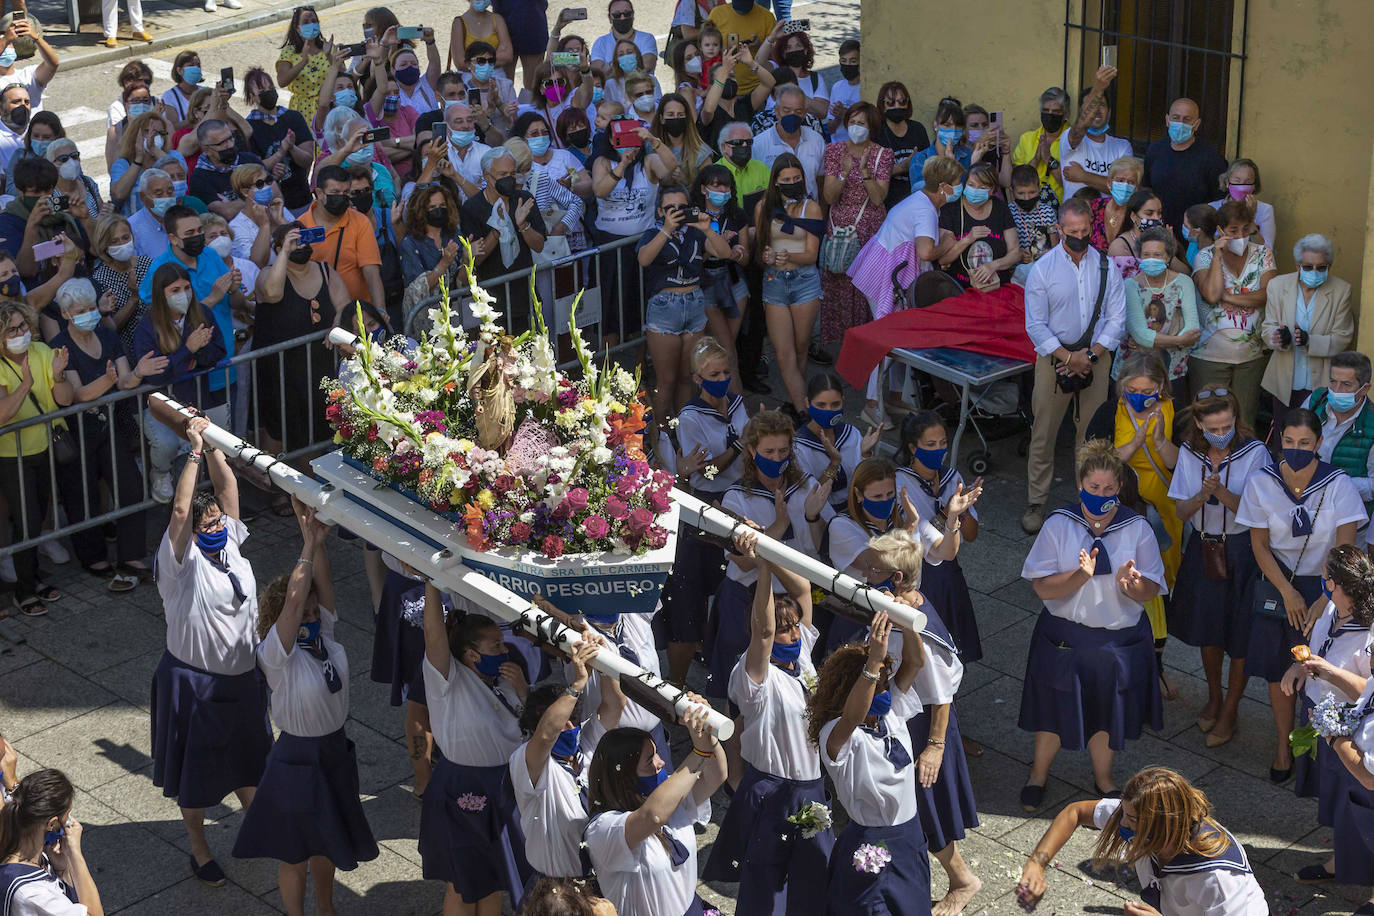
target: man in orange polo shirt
<point>349,243</point>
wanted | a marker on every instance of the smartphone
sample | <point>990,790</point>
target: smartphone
<point>796,25</point>
<point>377,134</point>
<point>579,12</point>
<point>44,250</point>
<point>357,50</point>
<point>624,134</point>
<point>566,58</point>
<point>690,214</point>
<point>312,234</point>
<point>732,39</point>
<point>1109,55</point>
<point>995,121</point>
<point>474,97</point>
<point>226,78</point>
<point>410,32</point>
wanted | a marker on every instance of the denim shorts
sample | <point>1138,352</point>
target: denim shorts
<point>722,292</point>
<point>791,287</point>
<point>671,312</point>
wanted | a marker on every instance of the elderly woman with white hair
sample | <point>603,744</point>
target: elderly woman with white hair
<point>63,153</point>
<point>508,228</point>
<point>1308,318</point>
<point>96,366</point>
<point>344,146</point>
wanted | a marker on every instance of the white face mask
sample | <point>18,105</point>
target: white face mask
<point>20,344</point>
<point>179,302</point>
<point>644,103</point>
<point>222,245</point>
<point>858,132</point>
<point>693,66</point>
<point>1237,246</point>
<point>70,170</point>
<point>122,252</point>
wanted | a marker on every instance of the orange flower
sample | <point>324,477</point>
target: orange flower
<point>426,476</point>
<point>337,394</point>
<point>450,386</point>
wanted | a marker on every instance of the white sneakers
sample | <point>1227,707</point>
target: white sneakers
<point>162,483</point>
<point>233,4</point>
<point>210,6</point>
<point>55,552</point>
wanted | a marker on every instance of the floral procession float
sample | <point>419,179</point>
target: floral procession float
<point>477,443</point>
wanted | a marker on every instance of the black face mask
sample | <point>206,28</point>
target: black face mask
<point>796,58</point>
<point>1077,243</point>
<point>1051,122</point>
<point>675,127</point>
<point>301,255</point>
<point>740,155</point>
<point>19,115</point>
<point>224,156</point>
<point>849,71</point>
<point>1028,205</point>
<point>505,186</point>
<point>728,90</point>
<point>336,204</point>
<point>623,26</point>
<point>437,216</point>
<point>897,115</point>
<point>267,99</point>
<point>792,190</point>
<point>580,137</point>
<point>362,201</point>
<point>193,245</point>
<point>742,6</point>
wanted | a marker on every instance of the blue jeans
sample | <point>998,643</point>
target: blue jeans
<point>782,9</point>
<point>671,312</point>
<point>164,445</point>
<point>791,287</point>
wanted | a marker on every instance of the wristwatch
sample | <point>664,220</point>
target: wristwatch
<point>575,694</point>
<point>1092,357</point>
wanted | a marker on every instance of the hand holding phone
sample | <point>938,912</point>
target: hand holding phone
<point>625,134</point>
<point>376,135</point>
<point>52,249</point>
<point>226,79</point>
<point>575,13</point>
<point>410,32</point>
<point>311,234</point>
<point>792,26</point>
<point>566,59</point>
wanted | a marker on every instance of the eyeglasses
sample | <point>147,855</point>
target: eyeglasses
<point>556,81</point>
<point>738,142</point>
<point>73,155</point>
<point>484,60</point>
<point>621,17</point>
<point>1211,393</point>
<point>260,183</point>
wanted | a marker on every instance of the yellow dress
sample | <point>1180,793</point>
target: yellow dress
<point>1154,477</point>
<point>305,88</point>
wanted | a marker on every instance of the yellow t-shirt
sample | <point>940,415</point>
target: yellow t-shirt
<point>305,88</point>
<point>752,28</point>
<point>1049,172</point>
<point>33,440</point>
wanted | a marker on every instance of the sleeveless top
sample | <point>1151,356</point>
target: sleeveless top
<point>295,315</point>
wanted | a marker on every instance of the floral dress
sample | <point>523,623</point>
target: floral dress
<point>843,306</point>
<point>1233,335</point>
<point>305,88</point>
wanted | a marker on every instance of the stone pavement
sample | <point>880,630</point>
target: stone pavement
<point>75,696</point>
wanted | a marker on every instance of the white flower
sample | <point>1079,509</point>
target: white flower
<point>602,455</point>
<point>710,472</point>
<point>672,423</point>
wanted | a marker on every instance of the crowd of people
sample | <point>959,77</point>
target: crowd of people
<point>1217,411</point>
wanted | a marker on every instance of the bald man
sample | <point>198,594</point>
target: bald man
<point>1182,168</point>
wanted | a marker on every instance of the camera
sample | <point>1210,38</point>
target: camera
<point>61,201</point>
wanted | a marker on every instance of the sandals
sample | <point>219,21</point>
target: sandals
<point>47,592</point>
<point>282,508</point>
<point>121,582</point>
<point>100,572</point>
<point>141,573</point>
<point>33,607</point>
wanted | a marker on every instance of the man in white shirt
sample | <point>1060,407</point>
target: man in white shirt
<point>464,152</point>
<point>1062,293</point>
<point>157,193</point>
<point>35,79</point>
<point>1086,150</point>
<point>622,14</point>
<point>791,135</point>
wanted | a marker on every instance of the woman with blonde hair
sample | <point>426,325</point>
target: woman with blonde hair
<point>1090,674</point>
<point>141,145</point>
<point>1187,863</point>
<point>1124,174</point>
<point>251,228</point>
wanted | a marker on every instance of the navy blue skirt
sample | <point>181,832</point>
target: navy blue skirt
<point>778,870</point>
<point>1271,638</point>
<point>1307,773</point>
<point>729,634</point>
<point>1354,837</point>
<point>308,805</point>
<point>1212,613</point>
<point>947,808</point>
<point>211,734</point>
<point>697,572</point>
<point>470,832</point>
<point>1082,680</point>
<point>943,585</point>
<point>398,647</point>
<point>902,888</point>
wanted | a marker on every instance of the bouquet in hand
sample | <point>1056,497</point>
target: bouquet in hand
<point>1331,718</point>
<point>813,819</point>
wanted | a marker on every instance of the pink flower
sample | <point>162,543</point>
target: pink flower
<point>563,511</point>
<point>625,488</point>
<point>658,501</point>
<point>617,508</point>
<point>596,527</point>
<point>640,520</point>
<point>577,498</point>
<point>657,537</point>
<point>504,484</point>
<point>519,533</point>
<point>552,546</point>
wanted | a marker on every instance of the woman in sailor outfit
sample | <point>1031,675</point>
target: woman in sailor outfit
<point>1338,663</point>
<point>924,445</point>
<point>1090,674</point>
<point>640,835</point>
<point>1210,605</point>
<point>1188,864</point>
<point>708,432</point>
<point>873,508</point>
<point>1297,510</point>
<point>828,448</point>
<point>947,806</point>
<point>211,735</point>
<point>307,810</point>
<point>774,493</point>
<point>470,831</point>
<point>857,717</point>
<point>1353,841</point>
<point>549,771</point>
<point>42,869</point>
<point>779,870</point>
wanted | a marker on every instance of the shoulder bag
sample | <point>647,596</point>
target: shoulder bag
<point>1072,384</point>
<point>841,244</point>
<point>1214,564</point>
<point>1268,601</point>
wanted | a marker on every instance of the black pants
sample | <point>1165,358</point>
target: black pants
<point>754,330</point>
<point>27,485</point>
<point>113,464</point>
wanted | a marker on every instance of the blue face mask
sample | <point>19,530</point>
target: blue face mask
<point>462,138</point>
<point>717,198</point>
<point>954,195</point>
<point>87,321</point>
<point>212,542</point>
<point>263,195</point>
<point>932,458</point>
<point>538,145</point>
<point>310,30</point>
<point>882,702</point>
<point>770,468</point>
<point>1141,402</point>
<point>880,508</point>
<point>1313,278</point>
<point>179,189</point>
<point>1097,505</point>
<point>1341,401</point>
<point>1126,833</point>
<point>786,652</point>
<point>308,633</point>
<point>8,57</point>
<point>1121,192</point>
<point>50,837</point>
<point>1219,440</point>
<point>628,62</point>
<point>825,419</point>
<point>40,147</point>
<point>566,745</point>
<point>1098,131</point>
<point>884,586</point>
<point>1326,592</point>
<point>482,72</point>
<point>1298,458</point>
<point>1187,233</point>
<point>138,108</point>
<point>598,94</point>
<point>1191,256</point>
<point>1180,132</point>
<point>1153,267</point>
<point>716,388</point>
<point>345,98</point>
<point>161,205</point>
<point>192,74</point>
<point>361,157</point>
<point>602,620</point>
<point>490,665</point>
<point>948,136</point>
<point>977,196</point>
<point>647,784</point>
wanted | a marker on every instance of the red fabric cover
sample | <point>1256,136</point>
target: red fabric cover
<point>990,323</point>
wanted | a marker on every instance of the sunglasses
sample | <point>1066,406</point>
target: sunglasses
<point>739,142</point>
<point>260,183</point>
<point>484,60</point>
<point>556,81</point>
<point>621,17</point>
<point>73,155</point>
<point>1211,393</point>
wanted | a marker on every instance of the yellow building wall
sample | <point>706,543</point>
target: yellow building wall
<point>1307,116</point>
